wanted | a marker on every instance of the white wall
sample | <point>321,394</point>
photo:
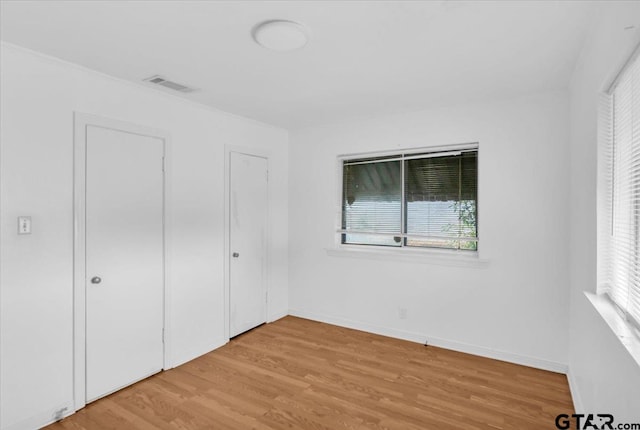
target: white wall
<point>516,308</point>
<point>39,96</point>
<point>604,377</point>
<point>537,227</point>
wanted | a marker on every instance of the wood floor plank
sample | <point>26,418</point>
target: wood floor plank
<point>301,374</point>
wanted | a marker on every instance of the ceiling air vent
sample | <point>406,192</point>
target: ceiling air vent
<point>159,80</point>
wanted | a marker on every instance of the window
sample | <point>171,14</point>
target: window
<point>619,193</point>
<point>427,200</point>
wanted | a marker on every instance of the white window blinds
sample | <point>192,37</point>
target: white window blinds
<point>619,192</point>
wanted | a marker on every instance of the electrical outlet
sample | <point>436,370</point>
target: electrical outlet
<point>402,313</point>
<point>24,225</point>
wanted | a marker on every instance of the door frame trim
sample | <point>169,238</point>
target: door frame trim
<point>80,123</point>
<point>256,152</point>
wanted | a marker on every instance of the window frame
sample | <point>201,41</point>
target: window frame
<point>443,254</point>
<point>606,193</point>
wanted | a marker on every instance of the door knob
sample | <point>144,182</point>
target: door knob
<point>96,280</point>
<point>235,255</point>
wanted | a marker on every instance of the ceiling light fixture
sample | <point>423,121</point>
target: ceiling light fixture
<point>280,35</point>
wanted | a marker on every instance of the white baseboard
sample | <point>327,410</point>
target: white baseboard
<point>43,418</point>
<point>48,417</point>
<point>575,393</point>
<point>277,315</point>
<point>524,360</point>
<point>184,358</point>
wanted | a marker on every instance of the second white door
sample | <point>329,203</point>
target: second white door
<point>248,242</point>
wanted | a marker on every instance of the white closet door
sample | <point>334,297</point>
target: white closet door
<point>124,259</point>
<point>248,238</point>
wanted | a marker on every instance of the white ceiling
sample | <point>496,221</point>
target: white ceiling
<point>365,58</point>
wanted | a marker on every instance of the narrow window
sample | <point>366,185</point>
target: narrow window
<point>619,192</point>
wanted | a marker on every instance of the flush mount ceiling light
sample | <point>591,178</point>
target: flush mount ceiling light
<point>280,35</point>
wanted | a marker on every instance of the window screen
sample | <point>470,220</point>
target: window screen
<point>418,200</point>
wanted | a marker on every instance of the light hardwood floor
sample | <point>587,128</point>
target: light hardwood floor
<point>301,374</point>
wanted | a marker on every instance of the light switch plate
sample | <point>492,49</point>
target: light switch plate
<point>24,225</point>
